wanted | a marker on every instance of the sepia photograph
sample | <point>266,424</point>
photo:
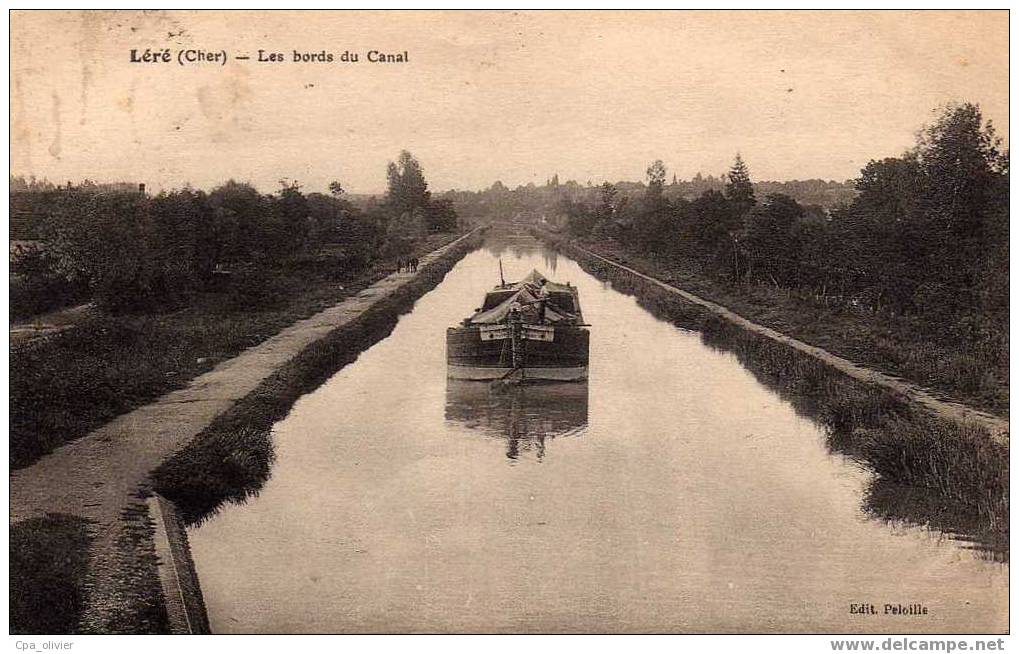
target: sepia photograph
<point>506,322</point>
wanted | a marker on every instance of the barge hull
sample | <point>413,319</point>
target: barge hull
<point>487,373</point>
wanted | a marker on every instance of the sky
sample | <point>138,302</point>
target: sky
<point>486,96</point>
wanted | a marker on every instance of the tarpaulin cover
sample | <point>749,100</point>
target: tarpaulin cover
<point>525,294</point>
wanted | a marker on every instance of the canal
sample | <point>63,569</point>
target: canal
<point>672,492</point>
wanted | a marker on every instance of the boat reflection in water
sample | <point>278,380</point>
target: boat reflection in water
<point>525,415</point>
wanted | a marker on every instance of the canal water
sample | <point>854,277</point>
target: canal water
<point>672,492</point>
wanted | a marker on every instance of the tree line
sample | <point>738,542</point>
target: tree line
<point>132,251</point>
<point>926,233</point>
<point>532,201</point>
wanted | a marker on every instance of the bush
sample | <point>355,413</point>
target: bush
<point>37,286</point>
<point>252,288</point>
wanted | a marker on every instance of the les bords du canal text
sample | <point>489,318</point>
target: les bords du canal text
<point>200,56</point>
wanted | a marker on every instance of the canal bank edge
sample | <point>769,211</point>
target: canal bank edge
<point>182,594</point>
<point>105,474</point>
<point>997,428</point>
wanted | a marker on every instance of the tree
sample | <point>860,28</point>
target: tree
<point>882,231</point>
<point>130,251</point>
<point>410,210</point>
<point>607,194</point>
<point>184,239</point>
<point>657,228</point>
<point>739,190</point>
<point>335,189</point>
<point>294,226</point>
<point>712,221</point>
<point>655,179</point>
<point>959,158</point>
<point>961,198</point>
<point>441,216</point>
<point>771,241</point>
<point>408,189</point>
<point>238,211</point>
<point>580,219</point>
<point>925,225</point>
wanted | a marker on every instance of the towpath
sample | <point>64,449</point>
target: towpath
<point>48,324</point>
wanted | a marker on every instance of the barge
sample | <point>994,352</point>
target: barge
<point>531,330</point>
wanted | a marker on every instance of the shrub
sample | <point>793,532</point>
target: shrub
<point>254,287</point>
<point>36,284</point>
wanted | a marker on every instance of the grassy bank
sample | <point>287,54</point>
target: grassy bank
<point>972,370</point>
<point>927,471</point>
<point>123,592</point>
<point>48,567</point>
<point>67,385</point>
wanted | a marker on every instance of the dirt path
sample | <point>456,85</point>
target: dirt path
<point>946,409</point>
<point>48,324</point>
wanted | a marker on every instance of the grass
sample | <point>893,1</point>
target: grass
<point>48,566</point>
<point>963,469</point>
<point>226,462</point>
<point>927,471</point>
<point>123,590</point>
<point>67,385</point>
<point>55,585</point>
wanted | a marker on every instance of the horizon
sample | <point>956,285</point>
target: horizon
<point>510,96</point>
<point>382,193</point>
